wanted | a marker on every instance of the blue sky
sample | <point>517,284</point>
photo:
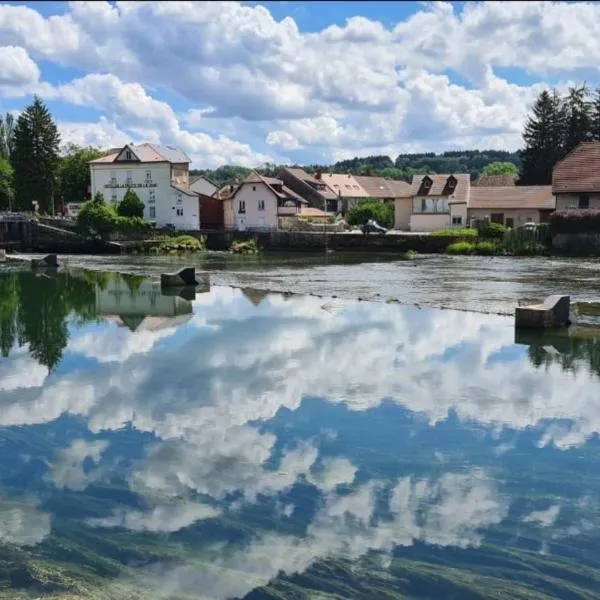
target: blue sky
<point>294,82</point>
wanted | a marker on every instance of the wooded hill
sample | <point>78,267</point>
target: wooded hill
<point>403,168</point>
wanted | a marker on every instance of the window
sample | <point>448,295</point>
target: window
<point>180,212</point>
<point>355,187</point>
<point>584,201</point>
<point>113,178</point>
<point>348,186</point>
<point>242,207</point>
<point>152,212</point>
<point>179,198</point>
<point>423,204</point>
<point>261,205</point>
<point>152,197</point>
<point>148,175</point>
<point>114,197</point>
<point>510,222</point>
<point>456,220</point>
<point>497,218</point>
<point>129,177</point>
<point>253,188</point>
<point>128,155</point>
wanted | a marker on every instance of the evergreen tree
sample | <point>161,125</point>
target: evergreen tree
<point>544,138</point>
<point>131,205</point>
<point>7,130</point>
<point>35,157</point>
<point>595,117</point>
<point>578,113</point>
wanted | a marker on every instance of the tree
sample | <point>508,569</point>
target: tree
<point>74,172</point>
<point>7,130</point>
<point>131,205</point>
<point>578,113</point>
<point>369,208</point>
<point>96,218</point>
<point>544,137</point>
<point>595,116</point>
<point>6,183</point>
<point>500,168</point>
<point>34,157</point>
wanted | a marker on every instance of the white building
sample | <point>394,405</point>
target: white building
<point>159,175</point>
<point>258,202</point>
<point>202,185</point>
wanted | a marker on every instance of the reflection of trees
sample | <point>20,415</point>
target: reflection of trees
<point>34,310</point>
<point>573,354</point>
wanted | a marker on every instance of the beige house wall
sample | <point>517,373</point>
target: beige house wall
<point>429,222</point>
<point>520,216</point>
<point>571,201</point>
<point>228,217</point>
<point>402,211</point>
<point>252,194</point>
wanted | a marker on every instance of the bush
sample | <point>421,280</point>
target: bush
<point>587,221</point>
<point>487,248</point>
<point>96,218</point>
<point>460,248</point>
<point>531,249</point>
<point>182,243</point>
<point>131,205</point>
<point>132,225</point>
<point>244,247</point>
<point>493,231</point>
<point>459,233</point>
<point>367,209</point>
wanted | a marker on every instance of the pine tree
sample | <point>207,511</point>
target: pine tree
<point>595,117</point>
<point>578,115</point>
<point>544,138</point>
<point>131,205</point>
<point>35,157</point>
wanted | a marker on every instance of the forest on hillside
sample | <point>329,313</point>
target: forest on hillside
<point>403,168</point>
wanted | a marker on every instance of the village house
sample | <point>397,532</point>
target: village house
<point>511,206</point>
<point>437,202</point>
<point>576,179</point>
<point>311,188</point>
<point>258,202</point>
<point>345,187</point>
<point>159,175</point>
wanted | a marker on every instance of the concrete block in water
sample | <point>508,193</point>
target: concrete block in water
<point>51,260</point>
<point>554,312</point>
<point>183,277</point>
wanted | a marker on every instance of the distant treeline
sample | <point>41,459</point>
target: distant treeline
<point>403,168</point>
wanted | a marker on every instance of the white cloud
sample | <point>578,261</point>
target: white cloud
<point>67,470</point>
<point>345,90</point>
<point>23,525</point>
<point>544,518</point>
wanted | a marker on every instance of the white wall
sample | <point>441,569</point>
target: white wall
<point>251,194</point>
<point>155,192</point>
<point>203,187</point>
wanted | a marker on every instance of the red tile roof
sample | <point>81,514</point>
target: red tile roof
<point>513,197</point>
<point>439,186</point>
<point>380,187</point>
<point>579,171</point>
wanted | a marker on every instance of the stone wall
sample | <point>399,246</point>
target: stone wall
<point>585,244</point>
<point>307,241</point>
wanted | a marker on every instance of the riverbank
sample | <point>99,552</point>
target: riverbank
<point>478,284</point>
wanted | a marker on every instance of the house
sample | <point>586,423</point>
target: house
<point>211,212</point>
<point>310,188</point>
<point>496,180</point>
<point>202,185</point>
<point>160,177</point>
<point>511,206</point>
<point>576,178</point>
<point>346,187</point>
<point>258,202</point>
<point>438,201</point>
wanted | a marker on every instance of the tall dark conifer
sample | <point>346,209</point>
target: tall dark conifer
<point>35,157</point>
<point>544,138</point>
<point>595,116</point>
<point>578,114</point>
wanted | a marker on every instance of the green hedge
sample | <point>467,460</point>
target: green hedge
<point>367,209</point>
<point>587,221</point>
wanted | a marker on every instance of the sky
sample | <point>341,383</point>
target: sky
<point>294,82</point>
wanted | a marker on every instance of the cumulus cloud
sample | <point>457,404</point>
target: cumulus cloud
<point>68,468</point>
<point>23,525</point>
<point>349,89</point>
<point>543,518</point>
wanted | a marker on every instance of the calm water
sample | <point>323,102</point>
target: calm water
<point>245,445</point>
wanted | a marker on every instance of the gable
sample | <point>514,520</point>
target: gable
<point>127,155</point>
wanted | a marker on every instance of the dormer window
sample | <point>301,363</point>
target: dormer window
<point>451,184</point>
<point>427,182</point>
<point>128,155</point>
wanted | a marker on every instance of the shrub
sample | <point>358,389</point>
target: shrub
<point>531,249</point>
<point>460,248</point>
<point>96,218</point>
<point>493,231</point>
<point>587,221</point>
<point>367,209</point>
<point>487,248</point>
<point>132,225</point>
<point>131,205</point>
<point>244,247</point>
<point>459,233</point>
<point>182,243</point>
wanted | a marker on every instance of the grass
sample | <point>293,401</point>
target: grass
<point>460,248</point>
